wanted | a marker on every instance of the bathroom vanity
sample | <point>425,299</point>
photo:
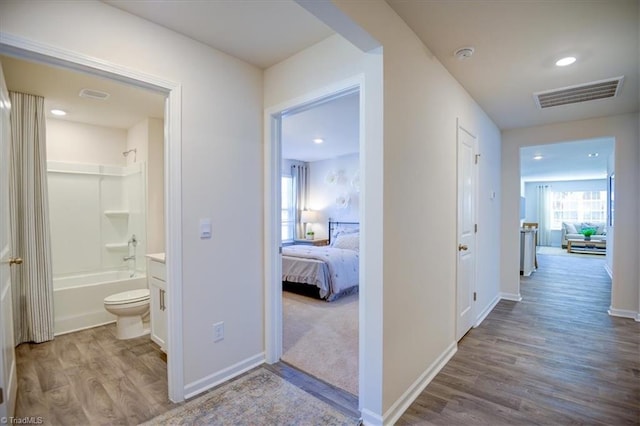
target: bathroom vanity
<point>156,274</point>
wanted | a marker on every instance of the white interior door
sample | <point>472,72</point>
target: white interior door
<point>8,379</point>
<point>466,268</point>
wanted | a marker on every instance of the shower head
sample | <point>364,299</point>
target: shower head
<point>134,150</point>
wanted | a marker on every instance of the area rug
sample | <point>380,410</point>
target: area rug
<point>321,338</point>
<point>258,398</point>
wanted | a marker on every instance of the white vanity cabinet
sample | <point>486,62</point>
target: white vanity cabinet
<point>156,276</point>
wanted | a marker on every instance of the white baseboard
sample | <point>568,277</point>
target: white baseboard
<point>608,269</point>
<point>623,313</point>
<point>370,419</point>
<point>487,311</point>
<point>515,297</point>
<point>206,383</point>
<point>400,406</point>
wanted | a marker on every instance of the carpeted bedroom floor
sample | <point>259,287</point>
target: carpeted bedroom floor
<point>321,338</point>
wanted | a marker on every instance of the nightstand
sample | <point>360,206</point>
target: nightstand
<point>317,242</point>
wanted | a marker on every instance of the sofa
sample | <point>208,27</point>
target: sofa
<point>571,230</point>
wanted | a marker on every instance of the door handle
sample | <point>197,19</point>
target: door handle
<point>15,261</point>
<point>462,247</point>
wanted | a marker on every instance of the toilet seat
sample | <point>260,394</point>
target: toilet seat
<point>131,296</point>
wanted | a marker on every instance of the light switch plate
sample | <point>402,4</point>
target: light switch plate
<point>205,228</point>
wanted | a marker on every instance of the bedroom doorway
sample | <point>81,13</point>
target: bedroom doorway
<point>315,158</point>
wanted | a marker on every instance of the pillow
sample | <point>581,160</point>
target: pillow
<point>342,231</point>
<point>570,228</point>
<point>348,241</point>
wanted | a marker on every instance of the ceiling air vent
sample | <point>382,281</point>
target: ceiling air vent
<point>94,94</point>
<point>581,93</point>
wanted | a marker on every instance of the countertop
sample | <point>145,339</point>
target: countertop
<point>157,257</point>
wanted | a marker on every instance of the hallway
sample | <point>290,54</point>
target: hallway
<point>556,357</point>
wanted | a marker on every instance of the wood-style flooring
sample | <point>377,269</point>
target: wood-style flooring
<point>89,377</point>
<point>555,358</point>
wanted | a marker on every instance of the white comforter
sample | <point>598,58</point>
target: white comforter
<point>332,270</point>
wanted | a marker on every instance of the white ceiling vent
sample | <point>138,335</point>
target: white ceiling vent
<point>581,93</point>
<point>94,94</point>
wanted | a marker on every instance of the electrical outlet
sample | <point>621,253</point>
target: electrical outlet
<point>218,331</point>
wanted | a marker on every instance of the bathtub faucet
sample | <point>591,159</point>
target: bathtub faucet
<point>133,241</point>
<point>127,258</point>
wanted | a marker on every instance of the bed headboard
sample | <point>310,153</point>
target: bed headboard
<point>337,226</point>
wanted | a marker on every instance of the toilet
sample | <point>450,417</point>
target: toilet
<point>131,307</point>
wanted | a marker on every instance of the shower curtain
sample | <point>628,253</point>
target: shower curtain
<point>32,282</point>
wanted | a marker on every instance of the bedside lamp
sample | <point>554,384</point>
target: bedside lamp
<point>308,217</point>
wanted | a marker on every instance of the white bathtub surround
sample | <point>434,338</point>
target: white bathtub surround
<point>79,299</point>
<point>95,210</point>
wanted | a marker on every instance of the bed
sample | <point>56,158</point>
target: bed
<point>327,272</point>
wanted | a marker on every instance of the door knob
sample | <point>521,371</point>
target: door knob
<point>15,260</point>
<point>462,247</point>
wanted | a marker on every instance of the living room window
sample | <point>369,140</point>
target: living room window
<point>288,213</point>
<point>578,206</point>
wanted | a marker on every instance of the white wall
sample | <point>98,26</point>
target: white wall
<point>221,110</point>
<point>72,142</point>
<point>147,137</point>
<point>323,195</point>
<point>624,129</point>
<point>422,103</point>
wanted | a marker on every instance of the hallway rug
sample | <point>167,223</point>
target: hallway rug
<point>257,398</point>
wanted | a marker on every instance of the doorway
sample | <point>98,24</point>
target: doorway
<point>22,49</point>
<point>274,228</point>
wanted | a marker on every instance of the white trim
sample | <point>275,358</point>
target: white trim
<point>28,49</point>
<point>400,406</point>
<point>370,419</point>
<point>623,313</point>
<point>486,311</point>
<point>272,210</point>
<point>206,383</point>
<point>515,297</point>
<point>609,271</point>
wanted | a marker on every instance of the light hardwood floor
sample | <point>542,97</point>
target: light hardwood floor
<point>90,377</point>
<point>555,358</point>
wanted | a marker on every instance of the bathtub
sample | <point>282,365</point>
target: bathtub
<point>78,300</point>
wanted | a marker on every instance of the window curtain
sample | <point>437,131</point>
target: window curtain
<point>544,215</point>
<point>32,282</point>
<point>300,175</point>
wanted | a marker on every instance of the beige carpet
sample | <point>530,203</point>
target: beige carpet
<point>257,398</point>
<point>557,251</point>
<point>321,338</point>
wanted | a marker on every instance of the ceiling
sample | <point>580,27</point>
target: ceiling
<point>125,107</point>
<point>261,33</point>
<point>336,122</point>
<point>517,43</point>
<point>566,161</point>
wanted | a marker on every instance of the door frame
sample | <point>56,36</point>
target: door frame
<point>29,50</point>
<point>475,173</point>
<point>273,206</point>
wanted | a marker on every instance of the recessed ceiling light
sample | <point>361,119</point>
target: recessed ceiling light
<point>565,61</point>
<point>58,112</point>
<point>537,157</point>
<point>593,154</point>
<point>318,140</point>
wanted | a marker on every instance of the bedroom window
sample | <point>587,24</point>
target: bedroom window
<point>578,206</point>
<point>288,212</point>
